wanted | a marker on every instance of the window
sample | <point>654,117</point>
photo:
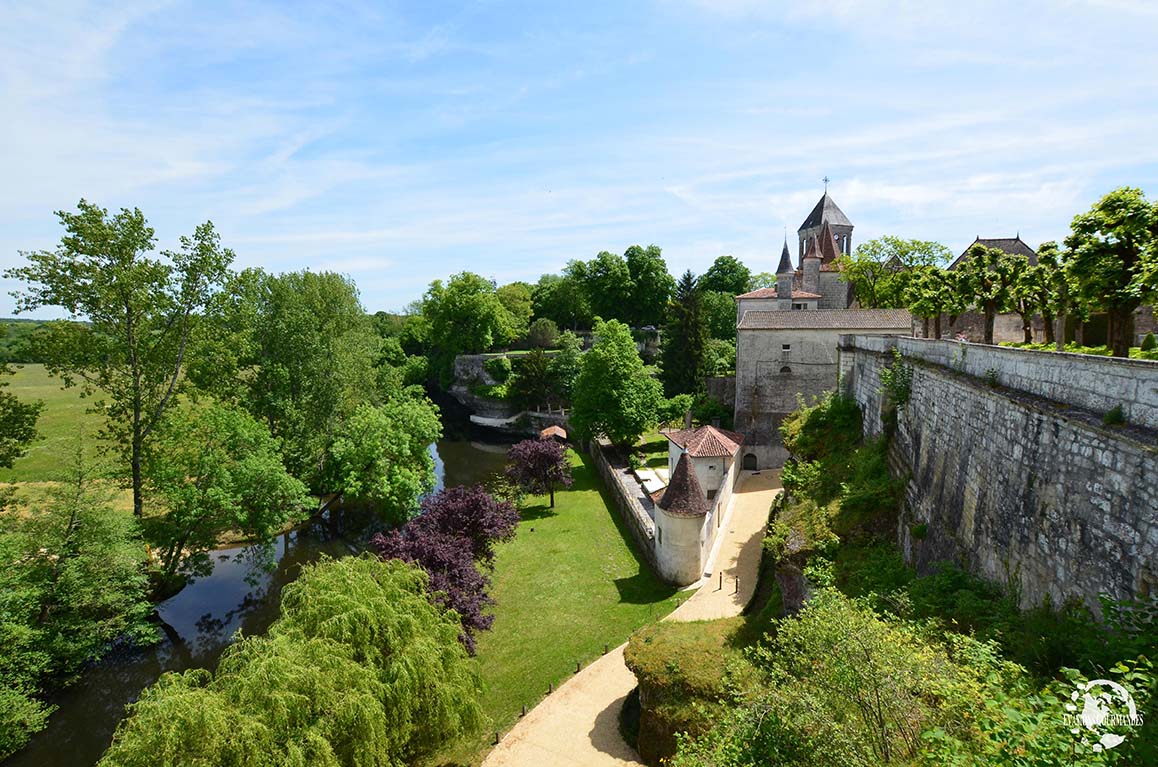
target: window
<point>786,370</point>
<point>785,347</point>
<point>797,306</point>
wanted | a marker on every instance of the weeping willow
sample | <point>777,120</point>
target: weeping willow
<point>360,669</point>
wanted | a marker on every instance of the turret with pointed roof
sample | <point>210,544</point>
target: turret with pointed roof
<point>684,497</point>
<point>784,274</point>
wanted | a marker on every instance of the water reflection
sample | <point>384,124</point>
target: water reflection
<point>241,593</point>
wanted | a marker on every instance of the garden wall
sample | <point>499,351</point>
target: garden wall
<point>624,491</point>
<point>1010,468</point>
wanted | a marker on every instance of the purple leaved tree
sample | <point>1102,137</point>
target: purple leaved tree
<point>539,466</point>
<point>453,541</point>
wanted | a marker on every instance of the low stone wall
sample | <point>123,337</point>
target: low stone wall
<point>624,490</point>
<point>1010,468</point>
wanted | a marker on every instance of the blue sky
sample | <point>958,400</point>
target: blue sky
<point>402,142</point>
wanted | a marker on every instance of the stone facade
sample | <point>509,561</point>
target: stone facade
<point>1012,471</point>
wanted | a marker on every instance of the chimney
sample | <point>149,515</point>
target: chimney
<point>688,419</point>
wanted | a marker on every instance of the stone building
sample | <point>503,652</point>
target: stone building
<point>786,337</point>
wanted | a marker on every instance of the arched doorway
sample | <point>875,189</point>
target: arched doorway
<point>749,462</point>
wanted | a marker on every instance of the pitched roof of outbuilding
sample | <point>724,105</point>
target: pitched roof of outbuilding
<point>1014,246</point>
<point>684,497</point>
<point>826,208</point>
<point>828,319</point>
<point>759,293</point>
<point>706,441</point>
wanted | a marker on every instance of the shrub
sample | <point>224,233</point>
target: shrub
<point>543,334</point>
<point>498,368</point>
<point>1114,416</point>
<point>1149,343</point>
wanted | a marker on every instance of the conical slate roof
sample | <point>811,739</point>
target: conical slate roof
<point>828,251</point>
<point>811,251</point>
<point>826,209</point>
<point>785,261</point>
<point>684,497</point>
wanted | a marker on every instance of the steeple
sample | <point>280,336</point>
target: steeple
<point>785,266</point>
<point>684,497</point>
<point>827,244</point>
<point>826,209</point>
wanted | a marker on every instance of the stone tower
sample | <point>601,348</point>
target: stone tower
<point>784,274</point>
<point>826,210</point>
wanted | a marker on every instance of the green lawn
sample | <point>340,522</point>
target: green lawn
<point>63,421</point>
<point>652,448</point>
<point>566,586</point>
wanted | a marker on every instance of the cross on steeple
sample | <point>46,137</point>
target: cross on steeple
<point>825,180</point>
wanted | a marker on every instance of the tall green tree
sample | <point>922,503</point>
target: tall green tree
<point>533,383</point>
<point>465,316</point>
<point>880,269</point>
<point>614,396</point>
<point>728,275</point>
<point>517,299</point>
<point>931,293</point>
<point>1112,260</point>
<point>73,581</point>
<point>298,352</point>
<point>359,669</point>
<point>719,310</point>
<point>381,455</point>
<point>607,285</point>
<point>562,298</point>
<point>566,364</point>
<point>651,285</point>
<point>216,469</point>
<point>138,314</point>
<point>986,278</point>
<point>685,338</point>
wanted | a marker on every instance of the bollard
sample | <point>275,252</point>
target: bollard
<point>576,667</point>
<point>550,687</point>
<point>737,591</point>
<point>496,738</point>
<point>604,649</point>
<point>524,710</point>
<point>721,588</point>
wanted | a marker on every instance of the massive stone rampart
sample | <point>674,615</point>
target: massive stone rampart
<point>1013,467</point>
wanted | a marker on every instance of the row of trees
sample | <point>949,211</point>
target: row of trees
<point>1108,264</point>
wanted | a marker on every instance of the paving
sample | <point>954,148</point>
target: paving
<point>578,724</point>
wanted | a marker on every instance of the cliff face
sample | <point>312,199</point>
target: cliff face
<point>1034,469</point>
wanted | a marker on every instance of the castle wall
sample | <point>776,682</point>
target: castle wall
<point>1012,471</point>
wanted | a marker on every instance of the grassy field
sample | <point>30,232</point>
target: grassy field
<point>65,424</point>
<point>566,586</point>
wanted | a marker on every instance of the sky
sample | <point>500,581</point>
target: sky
<point>400,143</point>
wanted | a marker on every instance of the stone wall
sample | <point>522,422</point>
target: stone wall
<point>722,389</point>
<point>625,491</point>
<point>1010,468</point>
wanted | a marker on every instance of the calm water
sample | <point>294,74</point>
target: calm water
<point>241,593</point>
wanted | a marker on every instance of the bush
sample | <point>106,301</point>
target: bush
<point>1114,416</point>
<point>543,334</point>
<point>673,409</point>
<point>498,368</point>
<point>1149,343</point>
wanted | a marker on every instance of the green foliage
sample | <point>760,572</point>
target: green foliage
<point>566,364</point>
<point>651,285</point>
<point>299,353</point>
<point>381,455</point>
<point>881,270</point>
<point>466,315</point>
<point>897,380</point>
<point>933,291</point>
<point>543,334</point>
<point>719,311</point>
<point>517,300</point>
<point>534,382</point>
<point>707,410</point>
<point>1149,343</point>
<point>986,278</point>
<point>672,409</point>
<point>19,341</point>
<point>1114,416</point>
<point>139,314</point>
<point>72,583</point>
<point>1112,259</point>
<point>613,395</point>
<point>818,431</point>
<point>726,275</point>
<point>561,298</point>
<point>498,368</point>
<point>360,669</point>
<point>720,357</point>
<point>17,422</point>
<point>214,468</point>
<point>685,337</point>
<point>606,285</point>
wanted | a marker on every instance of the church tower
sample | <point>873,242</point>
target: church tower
<point>826,210</point>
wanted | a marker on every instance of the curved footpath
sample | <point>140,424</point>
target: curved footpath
<point>579,723</point>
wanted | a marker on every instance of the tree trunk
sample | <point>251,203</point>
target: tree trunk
<point>1120,332</point>
<point>138,499</point>
<point>1027,329</point>
<point>937,326</point>
<point>1080,333</point>
<point>1047,327</point>
<point>925,327</point>
<point>990,318</point>
<point>1060,335</point>
<point>552,496</point>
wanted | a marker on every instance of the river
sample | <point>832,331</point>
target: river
<point>242,593</point>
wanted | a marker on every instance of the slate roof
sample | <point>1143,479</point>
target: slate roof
<point>759,293</point>
<point>684,497</point>
<point>829,319</point>
<point>811,251</point>
<point>1014,246</point>
<point>826,208</point>
<point>785,260</point>
<point>828,251</point>
<point>706,441</point>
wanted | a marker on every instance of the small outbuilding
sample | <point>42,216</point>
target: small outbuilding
<point>557,433</point>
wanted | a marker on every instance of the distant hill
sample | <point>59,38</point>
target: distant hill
<point>15,340</point>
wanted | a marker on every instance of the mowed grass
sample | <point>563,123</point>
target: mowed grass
<point>64,424</point>
<point>567,585</point>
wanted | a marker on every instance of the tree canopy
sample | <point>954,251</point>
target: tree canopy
<point>138,313</point>
<point>538,466</point>
<point>614,395</point>
<point>651,285</point>
<point>726,275</point>
<point>880,269</point>
<point>359,669</point>
<point>685,340</point>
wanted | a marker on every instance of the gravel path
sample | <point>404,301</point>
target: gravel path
<point>578,724</point>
